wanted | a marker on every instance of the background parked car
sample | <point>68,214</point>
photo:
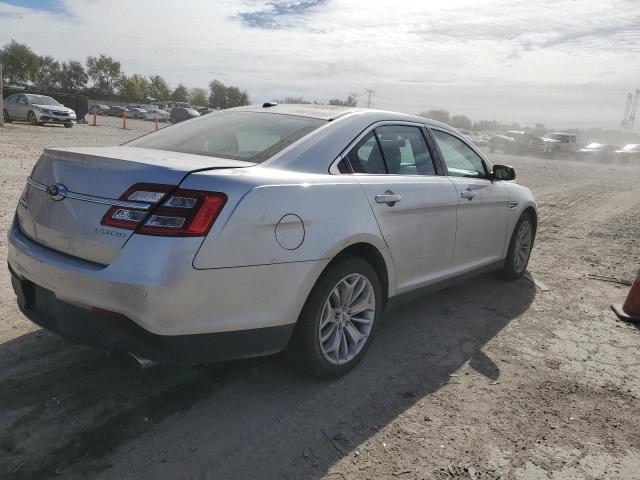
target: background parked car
<point>99,109</point>
<point>37,110</point>
<point>629,152</point>
<point>151,114</point>
<point>513,141</point>
<point>136,112</point>
<point>597,151</point>
<point>116,111</point>
<point>180,114</point>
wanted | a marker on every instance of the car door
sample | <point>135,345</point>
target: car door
<point>11,105</point>
<point>414,204</point>
<point>21,108</point>
<point>482,204</point>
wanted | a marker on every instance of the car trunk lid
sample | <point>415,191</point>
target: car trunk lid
<point>94,179</point>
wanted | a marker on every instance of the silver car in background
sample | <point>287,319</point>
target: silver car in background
<point>37,110</point>
<point>258,229</point>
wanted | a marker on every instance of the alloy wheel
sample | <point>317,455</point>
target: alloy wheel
<point>347,318</point>
<point>522,248</point>
<point>32,118</point>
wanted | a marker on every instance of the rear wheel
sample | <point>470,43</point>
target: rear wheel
<point>519,247</point>
<point>338,321</point>
<point>5,116</point>
<point>68,125</point>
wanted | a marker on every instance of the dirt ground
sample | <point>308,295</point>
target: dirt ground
<point>485,380</point>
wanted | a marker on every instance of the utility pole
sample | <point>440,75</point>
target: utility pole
<point>633,110</point>
<point>1,97</point>
<point>369,95</point>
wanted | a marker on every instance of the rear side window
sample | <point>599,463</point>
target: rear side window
<point>248,136</point>
<point>366,156</point>
<point>460,159</point>
<point>405,150</point>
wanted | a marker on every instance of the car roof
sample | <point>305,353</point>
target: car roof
<point>332,112</point>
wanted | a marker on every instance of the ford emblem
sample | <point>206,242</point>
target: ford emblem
<point>57,192</point>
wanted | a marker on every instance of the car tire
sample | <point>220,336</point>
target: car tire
<point>5,116</point>
<point>520,247</point>
<point>68,125</point>
<point>31,118</point>
<point>307,349</point>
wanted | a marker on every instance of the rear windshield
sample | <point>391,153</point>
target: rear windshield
<point>249,136</point>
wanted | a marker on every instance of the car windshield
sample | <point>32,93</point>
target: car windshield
<point>42,100</point>
<point>249,136</point>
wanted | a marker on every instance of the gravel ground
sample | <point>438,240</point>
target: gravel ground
<point>486,380</point>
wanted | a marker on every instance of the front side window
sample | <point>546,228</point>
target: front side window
<point>405,150</point>
<point>249,136</point>
<point>460,159</point>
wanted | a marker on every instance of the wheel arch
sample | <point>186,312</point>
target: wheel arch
<point>534,215</point>
<point>372,255</point>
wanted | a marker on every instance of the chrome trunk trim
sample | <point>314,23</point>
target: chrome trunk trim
<point>62,193</point>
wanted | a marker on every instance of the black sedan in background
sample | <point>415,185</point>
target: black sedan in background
<point>180,114</point>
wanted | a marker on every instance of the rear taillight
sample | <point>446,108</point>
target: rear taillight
<point>174,212</point>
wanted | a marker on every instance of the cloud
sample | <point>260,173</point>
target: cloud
<point>280,14</point>
<point>557,61</point>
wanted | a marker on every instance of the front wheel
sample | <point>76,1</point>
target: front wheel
<point>338,321</point>
<point>519,247</point>
<point>68,125</point>
<point>31,117</point>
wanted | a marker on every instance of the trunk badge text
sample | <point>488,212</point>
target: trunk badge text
<point>108,232</point>
<point>57,191</point>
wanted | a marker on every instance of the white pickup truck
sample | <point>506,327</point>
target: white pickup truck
<point>554,144</point>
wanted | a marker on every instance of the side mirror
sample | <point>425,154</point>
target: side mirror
<point>503,172</point>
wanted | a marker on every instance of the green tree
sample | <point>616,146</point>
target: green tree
<point>180,94</point>
<point>105,73</point>
<point>439,115</point>
<point>19,63</point>
<point>158,88</point>
<point>461,121</point>
<point>351,101</point>
<point>46,75</point>
<point>222,96</point>
<point>198,96</point>
<point>73,78</point>
<point>133,87</point>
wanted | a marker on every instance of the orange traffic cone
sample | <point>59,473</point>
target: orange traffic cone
<point>155,120</point>
<point>94,118</point>
<point>630,310</point>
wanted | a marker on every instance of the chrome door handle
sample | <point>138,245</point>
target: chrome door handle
<point>468,193</point>
<point>389,198</point>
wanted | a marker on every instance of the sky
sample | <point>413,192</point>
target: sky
<point>564,63</point>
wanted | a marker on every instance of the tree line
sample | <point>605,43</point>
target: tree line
<point>465,123</point>
<point>102,78</point>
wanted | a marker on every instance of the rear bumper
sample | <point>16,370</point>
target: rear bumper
<point>114,332</point>
<point>153,284</point>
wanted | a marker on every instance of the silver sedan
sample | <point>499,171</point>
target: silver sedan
<point>37,110</point>
<point>258,229</point>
